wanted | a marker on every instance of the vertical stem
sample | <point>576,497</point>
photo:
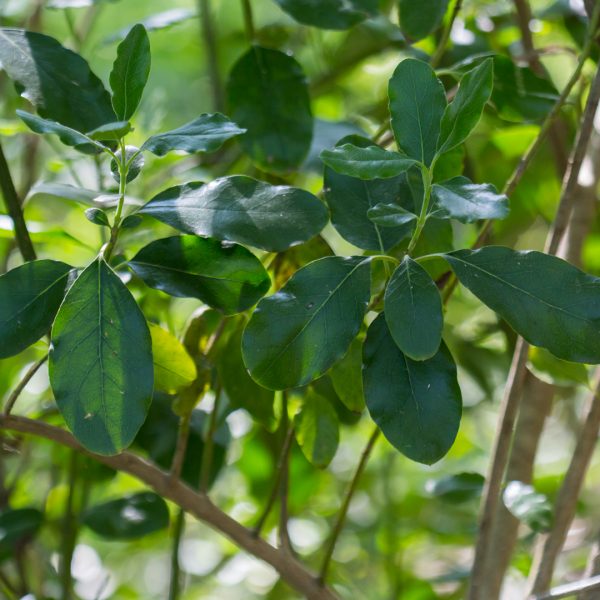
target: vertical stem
<point>284,536</point>
<point>211,48</point>
<point>175,582</point>
<point>441,48</point>
<point>21,385</point>
<point>209,442</point>
<point>427,176</point>
<point>248,21</point>
<point>69,531</point>
<point>181,447</point>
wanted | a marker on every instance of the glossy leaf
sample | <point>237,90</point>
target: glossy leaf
<point>346,378</point>
<point>128,518</point>
<point>371,162</point>
<point>419,19</point>
<point>174,368</point>
<point>417,103</point>
<point>390,215</point>
<point>30,296</point>
<point>130,72</point>
<point>329,14</point>
<point>548,301</point>
<point>17,528</point>
<point>463,113</point>
<point>241,209</point>
<point>317,430</point>
<point>224,276</point>
<point>111,131</point>
<point>528,506</point>
<point>413,311</point>
<point>101,361</point>
<point>456,489</point>
<point>134,158</point>
<point>297,334</point>
<point>207,133</point>
<point>416,404</point>
<point>467,202</point>
<point>57,81</point>
<point>268,96</point>
<point>97,216</point>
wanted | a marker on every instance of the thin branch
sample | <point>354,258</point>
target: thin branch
<point>181,447</point>
<point>210,46</point>
<point>249,21</point>
<point>284,536</point>
<point>175,581</point>
<point>339,525</point>
<point>570,589</point>
<point>441,47</point>
<point>209,443</point>
<point>193,502</point>
<point>14,396</point>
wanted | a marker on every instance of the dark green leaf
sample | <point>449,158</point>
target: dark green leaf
<point>241,209</point>
<point>101,361</point>
<point>268,95</point>
<point>528,506</point>
<point>297,334</point>
<point>128,518</point>
<point>457,488</point>
<point>17,527</point>
<point>417,103</point>
<point>371,162</point>
<point>317,429</point>
<point>549,302</point>
<point>390,215</point>
<point>57,81</point>
<point>416,404</point>
<point>413,311</point>
<point>419,19</point>
<point>224,276</point>
<point>130,72</point>
<point>346,378</point>
<point>111,131</point>
<point>207,133</point>
<point>136,161</point>
<point>97,216</point>
<point>466,201</point>
<point>329,14</point>
<point>30,296</point>
<point>463,113</point>
<point>131,222</point>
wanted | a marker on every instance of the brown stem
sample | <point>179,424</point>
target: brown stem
<point>181,447</point>
<point>589,587</point>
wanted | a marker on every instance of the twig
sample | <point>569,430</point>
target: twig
<point>346,504</point>
<point>175,581</point>
<point>14,396</point>
<point>211,48</point>
<point>248,21</point>
<point>209,443</point>
<point>284,536</point>
<point>441,48</point>
<point>181,446</point>
<point>570,589</point>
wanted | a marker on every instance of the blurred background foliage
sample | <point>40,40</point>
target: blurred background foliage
<point>410,528</point>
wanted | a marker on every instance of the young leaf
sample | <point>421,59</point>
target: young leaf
<point>390,215</point>
<point>136,161</point>
<point>101,361</point>
<point>130,72</point>
<point>416,404</point>
<point>413,311</point>
<point>224,276</point>
<point>174,368</point>
<point>346,378</point>
<point>111,131</point>
<point>546,300</point>
<point>464,112</point>
<point>418,20</point>
<point>268,95</point>
<point>30,296</point>
<point>97,216</point>
<point>417,103</point>
<point>329,14</point>
<point>295,335</point>
<point>241,209</point>
<point>317,430</point>
<point>528,506</point>
<point>57,81</point>
<point>468,202</point>
<point>128,518</point>
<point>371,162</point>
<point>207,133</point>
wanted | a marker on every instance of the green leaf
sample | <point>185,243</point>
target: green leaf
<point>130,72</point>
<point>390,215</point>
<point>134,157</point>
<point>419,19</point>
<point>131,222</point>
<point>268,95</point>
<point>346,377</point>
<point>101,361</point>
<point>371,162</point>
<point>417,103</point>
<point>30,296</point>
<point>44,189</point>
<point>416,404</point>
<point>224,276</point>
<point>111,131</point>
<point>174,368</point>
<point>297,334</point>
<point>329,14</point>
<point>528,506</point>
<point>413,311</point>
<point>97,216</point>
<point>241,209</point>
<point>546,300</point>
<point>67,136</point>
<point>463,113</point>
<point>456,489</point>
<point>317,430</point>
<point>207,133</point>
<point>128,518</point>
<point>17,528</point>
<point>466,201</point>
<point>555,371</point>
<point>57,81</point>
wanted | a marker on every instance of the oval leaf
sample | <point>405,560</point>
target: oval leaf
<point>101,361</point>
<point>416,404</point>
<point>268,95</point>
<point>413,310</point>
<point>30,296</point>
<point>346,378</point>
<point>329,14</point>
<point>390,215</point>
<point>528,506</point>
<point>458,488</point>
<point>546,300</point>
<point>295,335</point>
<point>224,276</point>
<point>111,131</point>
<point>418,20</point>
<point>241,209</point>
